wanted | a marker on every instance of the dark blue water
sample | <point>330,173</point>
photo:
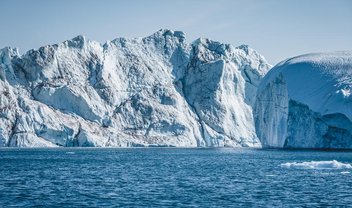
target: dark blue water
<point>170,178</point>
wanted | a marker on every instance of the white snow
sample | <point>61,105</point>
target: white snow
<point>319,80</point>
<point>333,164</point>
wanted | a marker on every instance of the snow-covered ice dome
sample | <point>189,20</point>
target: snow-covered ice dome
<point>306,102</point>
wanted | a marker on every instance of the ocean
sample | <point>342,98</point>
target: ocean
<point>174,177</point>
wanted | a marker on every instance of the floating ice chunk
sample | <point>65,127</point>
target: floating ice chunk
<point>333,164</point>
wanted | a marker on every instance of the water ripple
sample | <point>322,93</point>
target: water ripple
<point>171,178</point>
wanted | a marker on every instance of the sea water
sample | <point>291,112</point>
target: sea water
<point>173,177</point>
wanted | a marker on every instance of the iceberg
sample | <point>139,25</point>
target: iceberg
<point>152,91</point>
<point>305,102</point>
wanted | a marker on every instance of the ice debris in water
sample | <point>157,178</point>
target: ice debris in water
<point>333,164</point>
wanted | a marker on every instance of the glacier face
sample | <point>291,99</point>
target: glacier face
<point>153,91</point>
<point>305,102</point>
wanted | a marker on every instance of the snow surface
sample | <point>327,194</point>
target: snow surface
<point>305,102</point>
<point>333,164</point>
<point>152,91</point>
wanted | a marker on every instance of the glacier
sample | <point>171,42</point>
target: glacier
<point>305,102</point>
<point>152,91</point>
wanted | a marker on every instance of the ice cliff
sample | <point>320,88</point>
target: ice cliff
<point>153,91</point>
<point>306,102</point>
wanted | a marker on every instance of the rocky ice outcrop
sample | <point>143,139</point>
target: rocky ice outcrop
<point>220,84</point>
<point>153,91</point>
<point>306,102</point>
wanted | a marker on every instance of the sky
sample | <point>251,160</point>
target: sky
<point>278,29</point>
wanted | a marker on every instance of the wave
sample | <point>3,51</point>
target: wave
<point>333,164</point>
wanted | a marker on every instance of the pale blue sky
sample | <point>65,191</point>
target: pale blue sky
<point>278,29</point>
